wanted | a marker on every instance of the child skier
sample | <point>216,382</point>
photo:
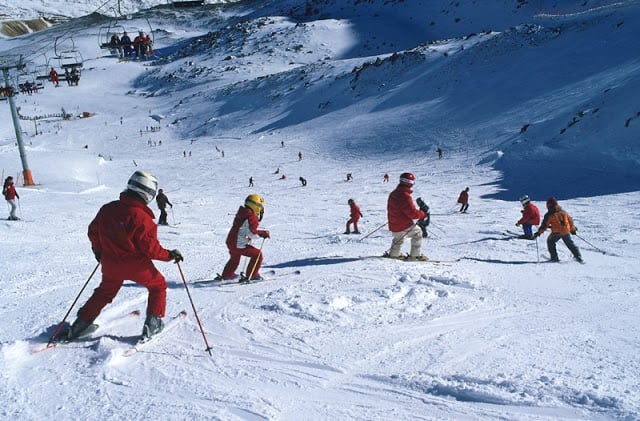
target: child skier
<point>245,227</point>
<point>355,216</point>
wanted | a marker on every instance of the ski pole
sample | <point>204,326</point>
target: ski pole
<point>537,250</point>
<point>375,230</point>
<point>257,257</point>
<point>184,281</point>
<point>173,216</point>
<point>59,327</point>
<point>600,250</point>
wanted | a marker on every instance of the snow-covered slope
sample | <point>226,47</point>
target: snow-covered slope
<point>524,97</point>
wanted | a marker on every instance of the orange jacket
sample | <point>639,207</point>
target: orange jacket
<point>559,221</point>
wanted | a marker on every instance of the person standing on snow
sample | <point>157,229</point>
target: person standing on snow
<point>162,201</point>
<point>463,200</point>
<point>355,216</point>
<point>530,217</point>
<point>561,226</point>
<point>124,239</point>
<point>10,195</point>
<point>401,212</point>
<point>244,229</point>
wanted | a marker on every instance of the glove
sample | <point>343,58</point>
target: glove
<point>536,235</point>
<point>574,231</point>
<point>517,224</point>
<point>97,255</point>
<point>176,256</point>
<point>264,234</point>
<point>422,223</point>
<point>422,206</point>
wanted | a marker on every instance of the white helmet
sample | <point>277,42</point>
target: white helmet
<point>145,184</point>
<point>524,200</point>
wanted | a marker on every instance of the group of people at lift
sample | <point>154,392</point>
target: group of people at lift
<point>141,47</point>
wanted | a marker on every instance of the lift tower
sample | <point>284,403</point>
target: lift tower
<point>6,66</point>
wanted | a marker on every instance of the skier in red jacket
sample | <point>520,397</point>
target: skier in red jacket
<point>245,227</point>
<point>355,215</point>
<point>10,195</point>
<point>463,200</point>
<point>124,240</point>
<point>401,212</point>
<point>530,217</point>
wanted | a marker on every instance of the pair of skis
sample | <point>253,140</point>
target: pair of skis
<point>88,334</point>
<point>271,275</point>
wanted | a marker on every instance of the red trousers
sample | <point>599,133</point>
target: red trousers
<point>253,268</point>
<point>113,276</point>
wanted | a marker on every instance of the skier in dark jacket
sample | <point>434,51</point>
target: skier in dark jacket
<point>162,201</point>
<point>124,239</point>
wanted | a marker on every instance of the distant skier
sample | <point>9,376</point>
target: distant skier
<point>244,229</point>
<point>463,200</point>
<point>440,152</point>
<point>250,181</point>
<point>299,156</point>
<point>530,217</point>
<point>385,179</point>
<point>355,216</point>
<point>401,212</point>
<point>10,195</point>
<point>349,177</point>
<point>162,201</point>
<point>303,181</point>
<point>124,239</point>
<point>561,226</point>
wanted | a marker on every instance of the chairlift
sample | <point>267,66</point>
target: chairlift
<point>106,32</point>
<point>115,28</point>
<point>27,80</point>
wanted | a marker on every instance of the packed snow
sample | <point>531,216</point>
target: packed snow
<point>524,97</point>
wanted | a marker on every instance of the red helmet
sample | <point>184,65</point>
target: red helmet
<point>407,179</point>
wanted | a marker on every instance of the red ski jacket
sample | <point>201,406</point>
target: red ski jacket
<point>10,192</point>
<point>245,226</point>
<point>530,215</point>
<point>401,211</point>
<point>463,199</point>
<point>355,211</point>
<point>125,235</point>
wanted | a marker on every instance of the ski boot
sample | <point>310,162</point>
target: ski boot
<point>152,326</point>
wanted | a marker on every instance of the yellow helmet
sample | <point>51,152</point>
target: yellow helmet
<point>255,202</point>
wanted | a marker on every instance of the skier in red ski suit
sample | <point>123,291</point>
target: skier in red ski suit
<point>355,215</point>
<point>245,226</point>
<point>124,240</point>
